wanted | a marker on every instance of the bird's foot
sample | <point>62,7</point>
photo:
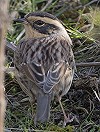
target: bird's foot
<point>68,119</point>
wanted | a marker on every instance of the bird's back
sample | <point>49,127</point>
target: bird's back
<point>44,52</point>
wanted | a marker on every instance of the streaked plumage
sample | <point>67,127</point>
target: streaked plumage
<point>44,61</point>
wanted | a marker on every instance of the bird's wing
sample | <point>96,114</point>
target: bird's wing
<point>46,81</point>
<point>54,75</point>
<point>46,65</point>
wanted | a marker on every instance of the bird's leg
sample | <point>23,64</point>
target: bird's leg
<point>67,119</point>
<point>31,103</point>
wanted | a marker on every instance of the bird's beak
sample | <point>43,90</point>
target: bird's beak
<point>20,20</point>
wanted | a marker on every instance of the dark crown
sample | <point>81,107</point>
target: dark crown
<point>42,14</point>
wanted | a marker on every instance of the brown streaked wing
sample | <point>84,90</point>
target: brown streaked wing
<point>46,62</point>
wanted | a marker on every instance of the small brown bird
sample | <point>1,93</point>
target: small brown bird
<point>44,62</point>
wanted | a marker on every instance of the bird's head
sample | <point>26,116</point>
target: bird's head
<point>41,24</point>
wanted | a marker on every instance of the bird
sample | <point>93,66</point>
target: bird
<point>44,62</point>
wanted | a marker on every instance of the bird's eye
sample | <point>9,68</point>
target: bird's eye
<point>39,23</point>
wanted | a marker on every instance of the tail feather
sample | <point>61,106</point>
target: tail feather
<point>43,108</point>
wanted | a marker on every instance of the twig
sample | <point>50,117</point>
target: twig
<point>46,6</point>
<point>91,2</point>
<point>88,64</point>
<point>97,96</point>
<point>3,29</point>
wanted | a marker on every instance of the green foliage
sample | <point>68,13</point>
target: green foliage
<point>56,128</point>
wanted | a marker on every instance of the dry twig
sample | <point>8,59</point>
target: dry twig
<point>88,64</point>
<point>3,30</point>
<point>47,5</point>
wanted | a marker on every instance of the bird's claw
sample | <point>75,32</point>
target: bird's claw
<point>68,119</point>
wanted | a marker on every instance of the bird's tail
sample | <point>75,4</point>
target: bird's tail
<point>43,108</point>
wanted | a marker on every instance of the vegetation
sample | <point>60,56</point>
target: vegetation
<point>81,19</point>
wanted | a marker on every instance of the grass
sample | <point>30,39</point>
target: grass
<point>81,103</point>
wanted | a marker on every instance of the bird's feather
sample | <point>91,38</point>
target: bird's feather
<point>46,82</point>
<point>43,108</point>
<point>56,60</point>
